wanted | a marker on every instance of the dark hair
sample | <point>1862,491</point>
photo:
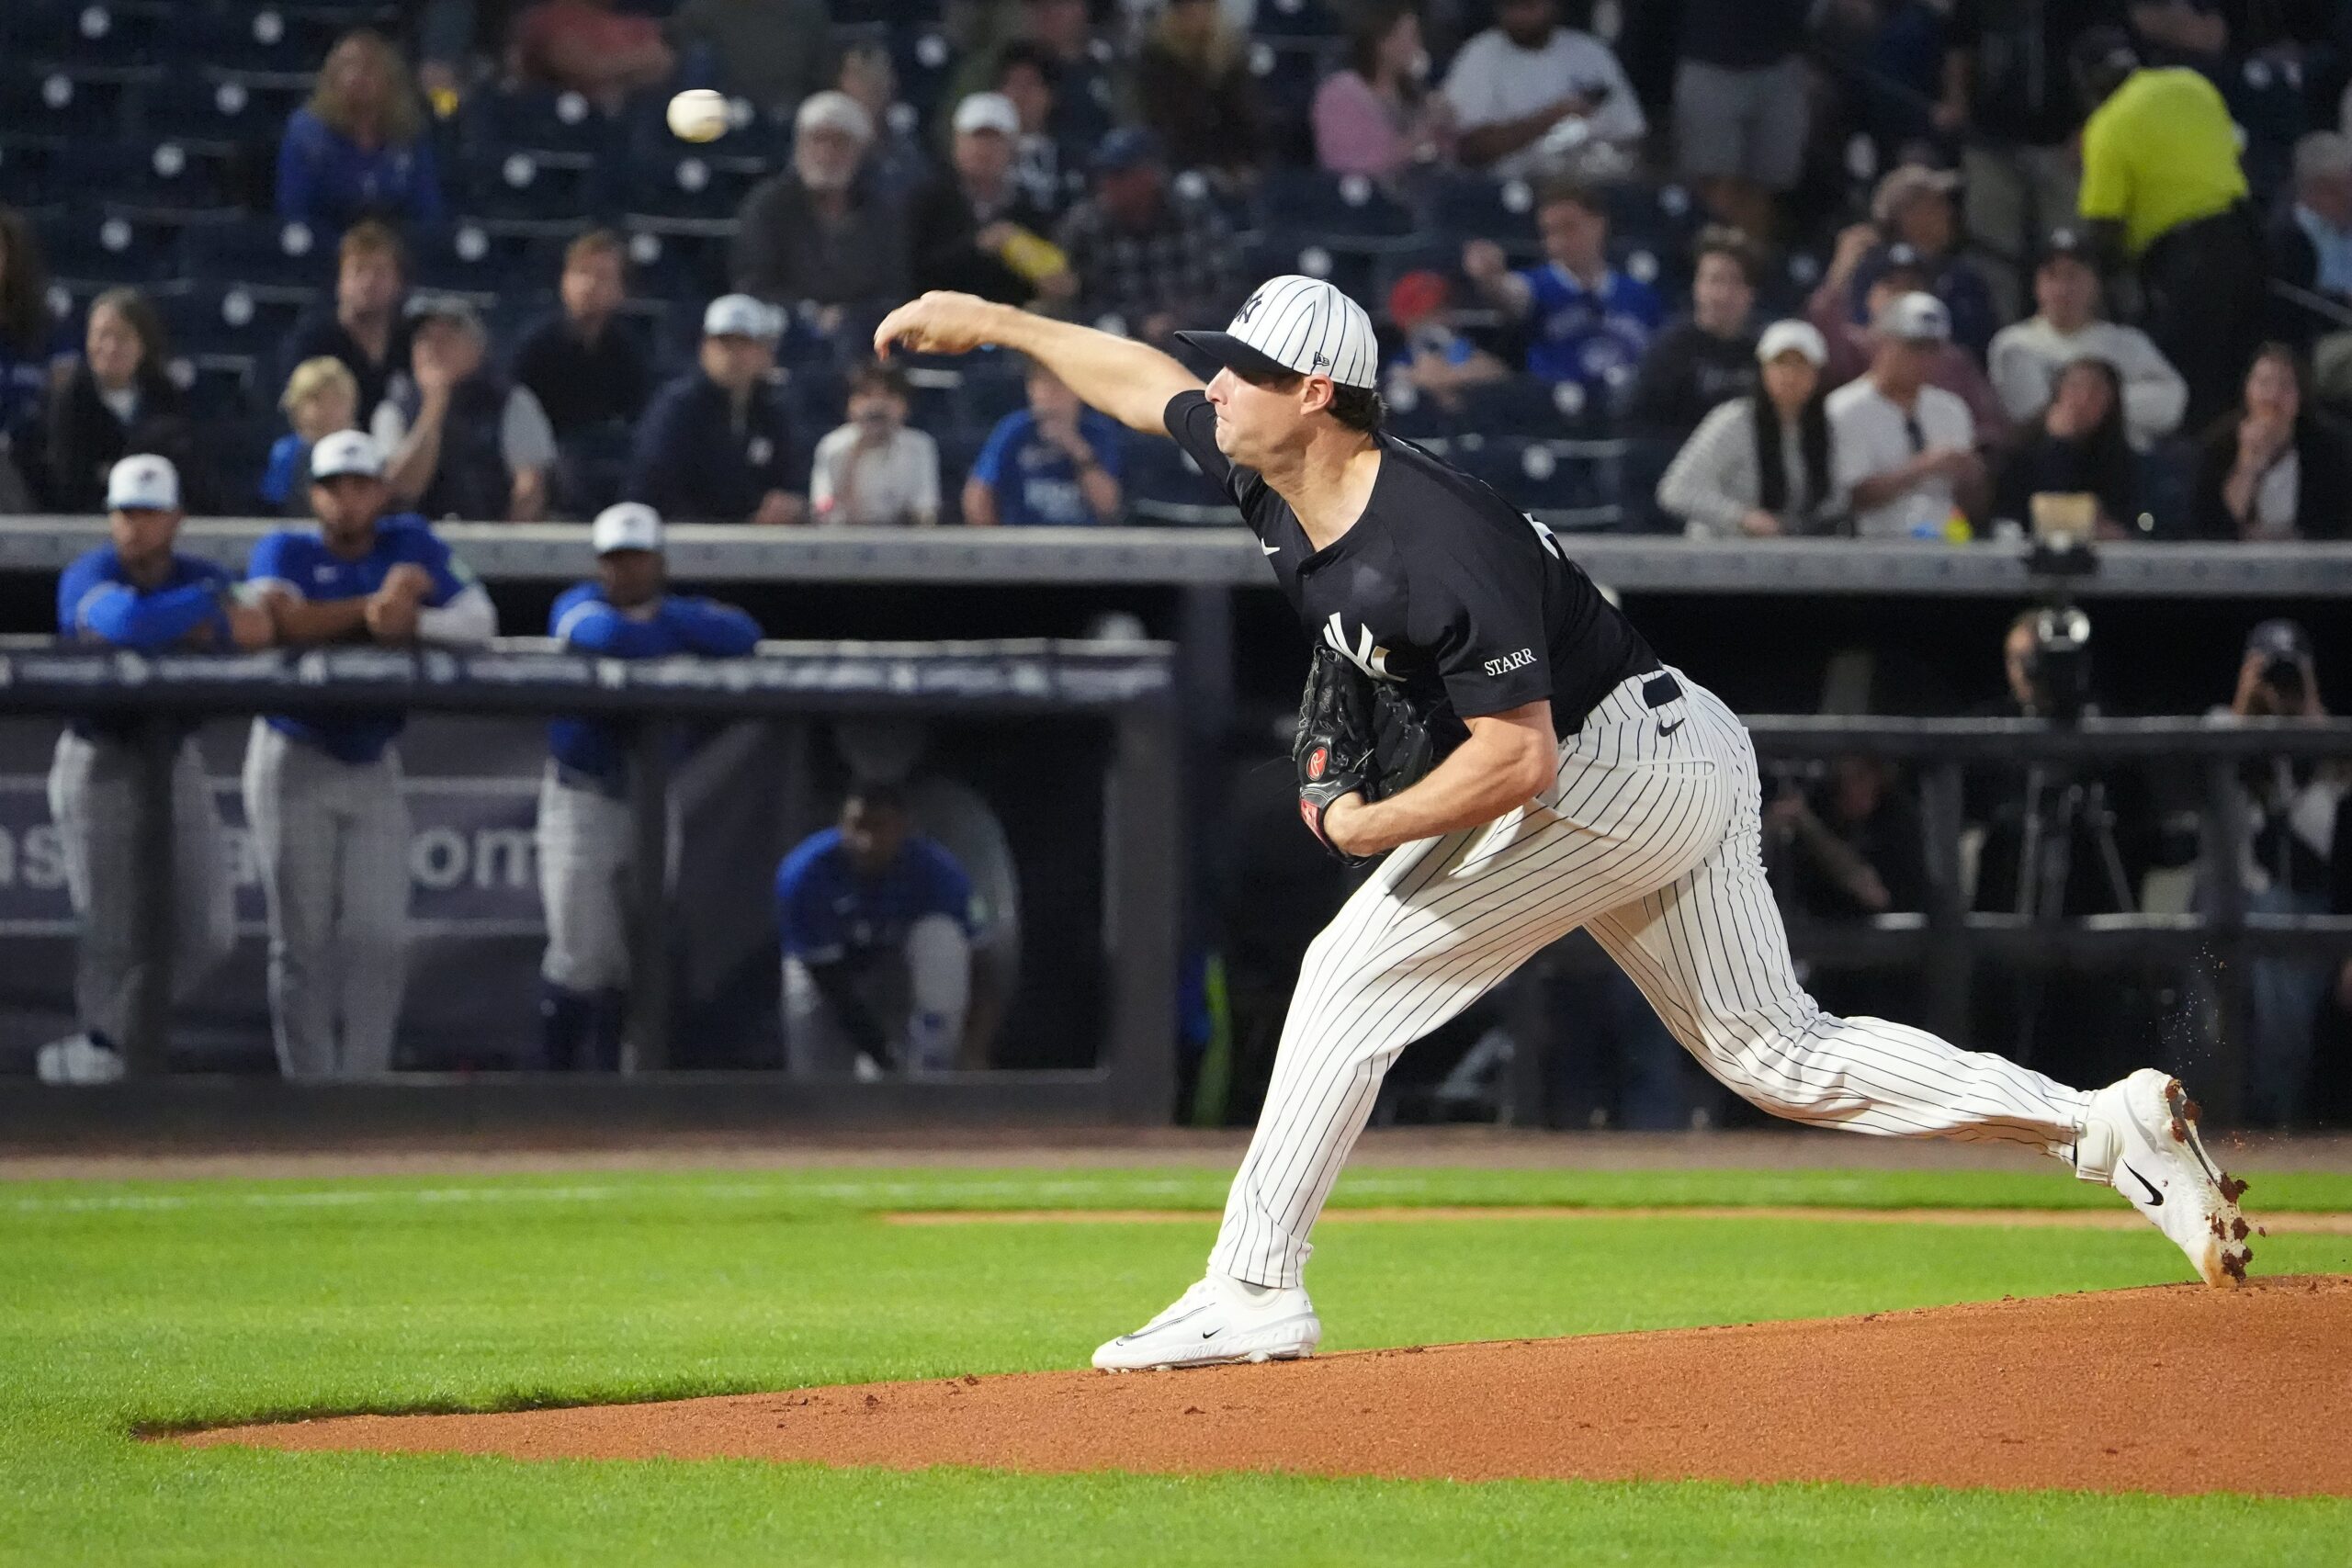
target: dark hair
<point>1370,29</point>
<point>1813,441</point>
<point>139,312</point>
<point>873,375</point>
<point>2109,462</point>
<point>2224,428</point>
<point>1360,409</point>
<point>1575,193</point>
<point>1021,51</point>
<point>596,243</point>
<point>24,287</point>
<point>370,238</point>
<point>1732,244</point>
<point>876,794</point>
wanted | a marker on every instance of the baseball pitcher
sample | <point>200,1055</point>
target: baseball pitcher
<point>1577,781</point>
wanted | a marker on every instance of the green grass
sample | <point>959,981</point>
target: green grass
<point>125,1306</point>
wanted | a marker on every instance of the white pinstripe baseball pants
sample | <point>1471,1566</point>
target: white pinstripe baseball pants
<point>1651,835</point>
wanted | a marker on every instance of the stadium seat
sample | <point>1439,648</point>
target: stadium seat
<point>276,39</point>
<point>107,36</point>
<point>166,177</point>
<point>103,250</point>
<point>471,256</point>
<point>1164,485</point>
<point>692,185</point>
<point>32,177</point>
<point>662,269</point>
<point>267,252</point>
<point>1518,405</point>
<point>530,187</point>
<point>1472,207</point>
<point>1415,415</point>
<point>225,318</point>
<point>211,113</point>
<point>53,105</point>
<point>1296,19</point>
<point>1337,209</point>
<point>691,264</point>
<point>534,119</point>
<point>218,386</point>
<point>923,59</point>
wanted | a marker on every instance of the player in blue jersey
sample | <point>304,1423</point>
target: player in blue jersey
<point>876,922</point>
<point>584,839</point>
<point>137,592</point>
<point>322,790</point>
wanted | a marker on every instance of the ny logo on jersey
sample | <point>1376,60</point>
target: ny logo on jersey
<point>1373,661</point>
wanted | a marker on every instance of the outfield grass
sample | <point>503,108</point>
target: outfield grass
<point>131,1305</point>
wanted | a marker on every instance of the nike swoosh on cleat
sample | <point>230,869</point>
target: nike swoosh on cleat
<point>1212,1332</point>
<point>2156,1199</point>
<point>1159,1328</point>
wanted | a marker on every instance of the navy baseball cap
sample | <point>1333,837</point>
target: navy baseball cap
<point>1129,147</point>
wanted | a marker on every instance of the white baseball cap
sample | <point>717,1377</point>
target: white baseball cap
<point>741,315</point>
<point>1915,317</point>
<point>347,452</point>
<point>1296,325</point>
<point>987,111</point>
<point>1802,337</point>
<point>629,525</point>
<point>833,111</point>
<point>144,483</point>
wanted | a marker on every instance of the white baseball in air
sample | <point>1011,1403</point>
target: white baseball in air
<point>698,115</point>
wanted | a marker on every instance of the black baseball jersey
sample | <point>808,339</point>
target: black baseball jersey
<point>1442,586</point>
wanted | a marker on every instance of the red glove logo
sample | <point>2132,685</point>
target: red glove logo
<point>1314,762</point>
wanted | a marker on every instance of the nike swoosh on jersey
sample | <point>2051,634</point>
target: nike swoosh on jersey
<point>1271,549</point>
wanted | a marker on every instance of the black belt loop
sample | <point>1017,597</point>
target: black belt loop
<point>1660,689</point>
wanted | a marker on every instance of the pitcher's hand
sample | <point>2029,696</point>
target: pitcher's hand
<point>938,322</point>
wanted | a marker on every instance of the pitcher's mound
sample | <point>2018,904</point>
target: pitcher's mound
<point>2174,1389</point>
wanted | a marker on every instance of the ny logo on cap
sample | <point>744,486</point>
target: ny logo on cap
<point>1249,306</point>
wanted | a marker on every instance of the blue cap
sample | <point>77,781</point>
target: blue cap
<point>1124,149</point>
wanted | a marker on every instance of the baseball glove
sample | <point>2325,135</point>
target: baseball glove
<point>1355,735</point>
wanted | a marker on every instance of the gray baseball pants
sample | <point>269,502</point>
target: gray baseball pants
<point>331,839</point>
<point>92,799</point>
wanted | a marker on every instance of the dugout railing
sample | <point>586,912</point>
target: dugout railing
<point>1129,686</point>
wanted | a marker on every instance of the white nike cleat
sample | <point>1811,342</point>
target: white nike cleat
<point>1221,1319</point>
<point>2139,1138</point>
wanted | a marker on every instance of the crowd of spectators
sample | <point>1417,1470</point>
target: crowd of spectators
<point>1592,211</point>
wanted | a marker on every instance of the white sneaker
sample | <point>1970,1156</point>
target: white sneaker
<point>2139,1138</point>
<point>78,1059</point>
<point>1219,1320</point>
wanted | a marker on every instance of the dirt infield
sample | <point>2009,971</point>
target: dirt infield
<point>2174,1389</point>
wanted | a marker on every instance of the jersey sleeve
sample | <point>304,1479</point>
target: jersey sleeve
<point>989,466</point>
<point>805,923</point>
<point>451,575</point>
<point>1479,608</point>
<point>710,629</point>
<point>276,560</point>
<point>81,579</point>
<point>949,891</point>
<point>1191,425</point>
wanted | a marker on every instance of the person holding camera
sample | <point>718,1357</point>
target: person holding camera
<point>2291,808</point>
